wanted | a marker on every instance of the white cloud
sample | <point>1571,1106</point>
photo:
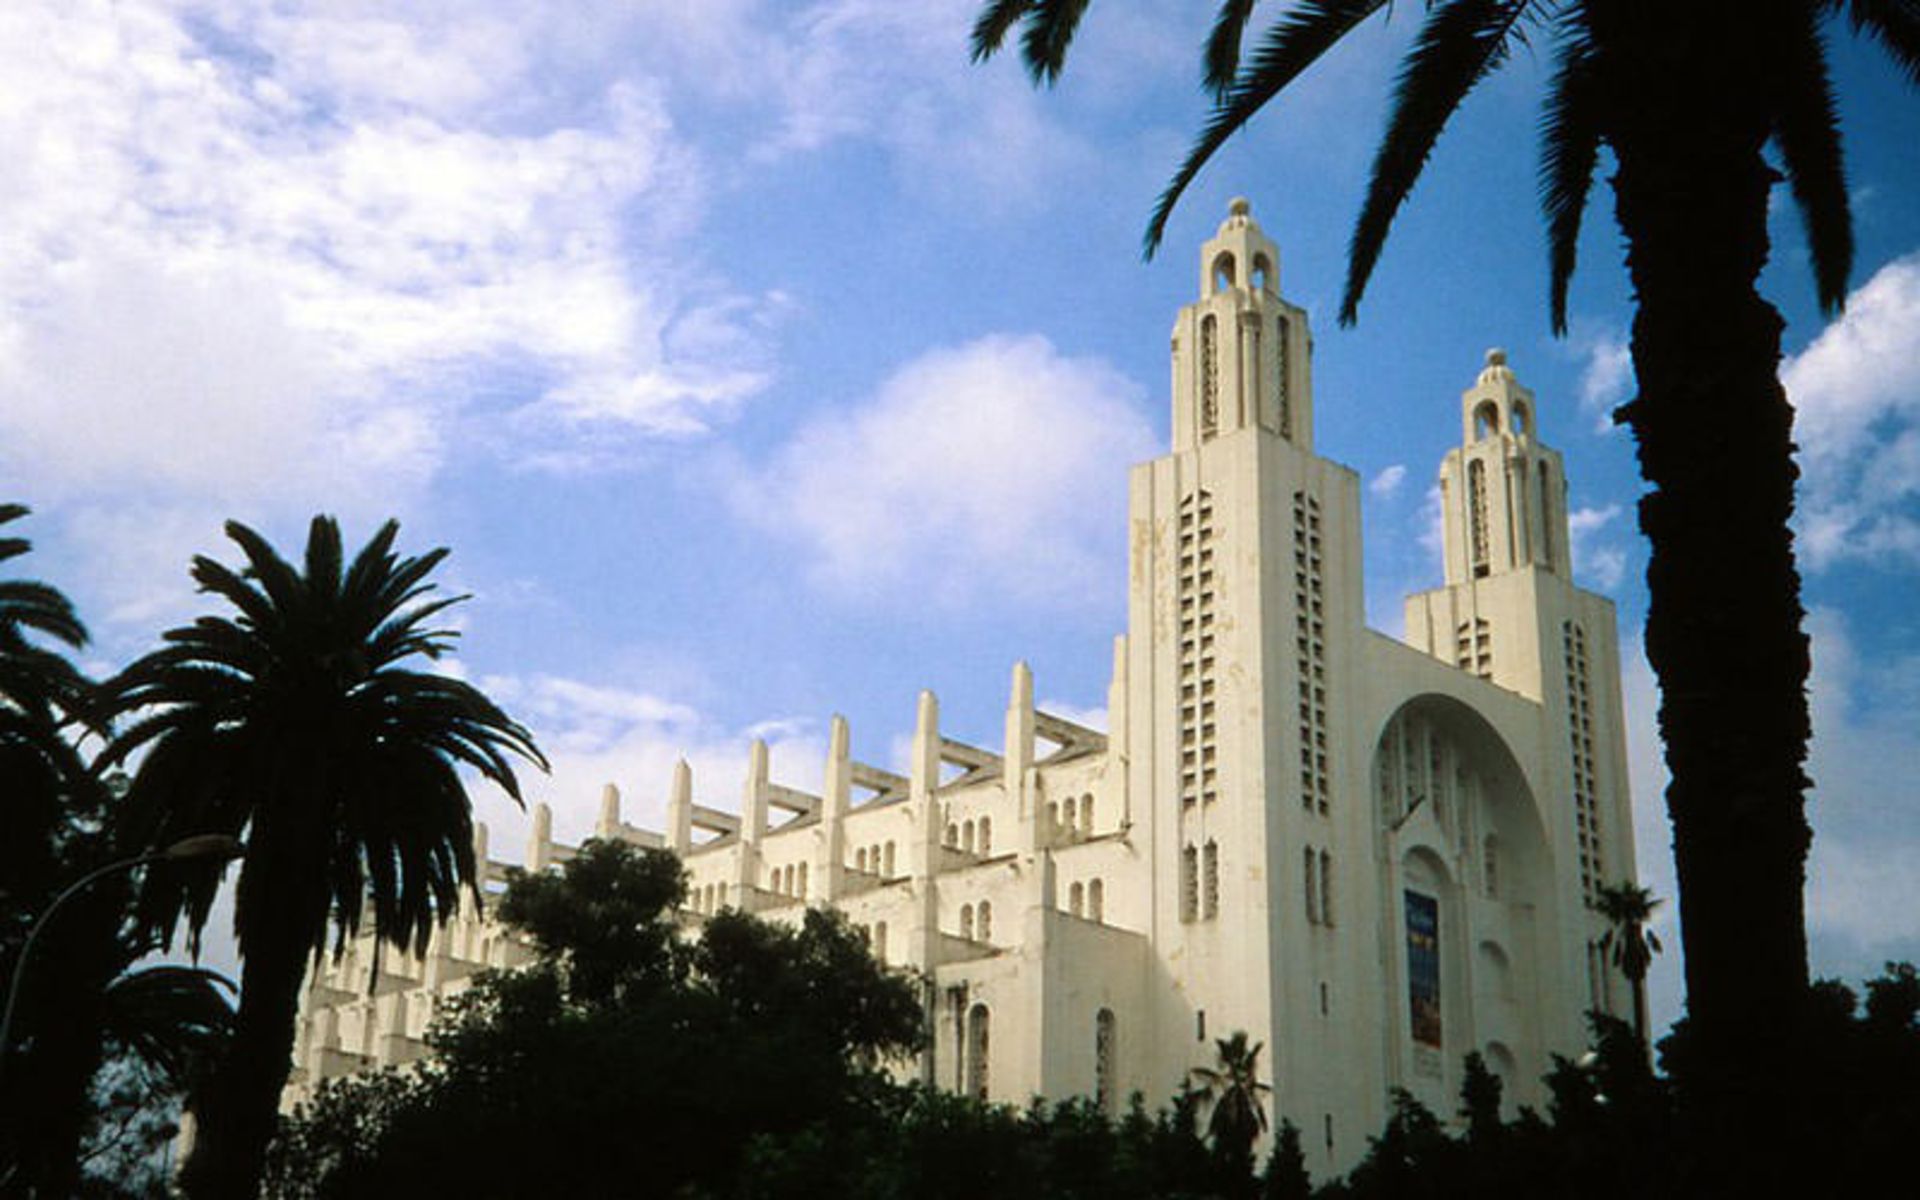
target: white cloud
<point>1388,481</point>
<point>1856,392</point>
<point>595,734</point>
<point>992,469</point>
<point>262,261</point>
<point>1606,379</point>
<point>1600,562</point>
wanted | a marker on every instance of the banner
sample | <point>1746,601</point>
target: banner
<point>1423,968</point>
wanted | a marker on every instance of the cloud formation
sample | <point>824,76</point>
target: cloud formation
<point>996,468</point>
<point>1856,392</point>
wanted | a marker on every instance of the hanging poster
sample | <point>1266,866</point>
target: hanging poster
<point>1423,968</point>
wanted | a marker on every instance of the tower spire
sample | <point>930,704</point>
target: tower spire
<point>1240,350</point>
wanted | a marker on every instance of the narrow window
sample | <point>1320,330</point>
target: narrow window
<point>860,860</point>
<point>1066,815</point>
<point>1076,900</point>
<point>966,922</point>
<point>1546,518</point>
<point>1477,515</point>
<point>803,881</point>
<point>966,837</point>
<point>1097,900</point>
<point>986,921</point>
<point>1212,870</point>
<point>880,942</point>
<point>1200,1025</point>
<point>1209,376</point>
<point>1325,1005</point>
<point>1189,884</point>
<point>887,861</point>
<point>977,1050</point>
<point>953,834</point>
<point>1326,888</point>
<point>1491,864</point>
<point>1103,1053</point>
<point>1086,814</point>
<point>1312,886</point>
<point>986,836</point>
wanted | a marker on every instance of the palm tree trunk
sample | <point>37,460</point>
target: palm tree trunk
<point>1714,432</point>
<point>238,1109</point>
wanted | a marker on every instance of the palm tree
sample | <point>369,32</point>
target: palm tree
<point>51,806</point>
<point>1687,97</point>
<point>1239,1115</point>
<point>1628,943</point>
<point>295,724</point>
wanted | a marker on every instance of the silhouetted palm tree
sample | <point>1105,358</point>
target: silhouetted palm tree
<point>1628,943</point>
<point>295,724</point>
<point>1688,97</point>
<point>1239,1114</point>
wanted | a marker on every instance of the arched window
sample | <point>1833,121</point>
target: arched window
<point>1077,900</point>
<point>880,942</point>
<point>886,860</point>
<point>1486,420</point>
<point>1520,418</point>
<point>966,837</point>
<point>1053,820</point>
<point>1103,1056</point>
<point>802,891</point>
<point>1189,884</point>
<point>1223,273</point>
<point>966,921</point>
<point>1086,814</point>
<point>1067,819</point>
<point>953,834</point>
<point>986,921</point>
<point>1210,865</point>
<point>860,860</point>
<point>1097,901</point>
<point>978,1047</point>
<point>986,836</point>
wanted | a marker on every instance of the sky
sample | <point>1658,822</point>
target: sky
<point>766,359</point>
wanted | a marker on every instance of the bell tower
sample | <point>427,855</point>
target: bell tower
<point>1503,492</point>
<point>1240,352</point>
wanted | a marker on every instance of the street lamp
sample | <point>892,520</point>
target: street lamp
<point>202,845</point>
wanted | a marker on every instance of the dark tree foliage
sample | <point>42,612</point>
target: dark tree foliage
<point>625,1061</point>
<point>100,1052</point>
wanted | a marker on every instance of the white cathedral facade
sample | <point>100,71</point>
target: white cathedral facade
<point>1373,856</point>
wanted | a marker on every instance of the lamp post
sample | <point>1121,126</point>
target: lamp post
<point>204,845</point>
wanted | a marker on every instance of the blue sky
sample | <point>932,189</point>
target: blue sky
<point>762,360</point>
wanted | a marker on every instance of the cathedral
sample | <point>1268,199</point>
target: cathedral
<point>1371,855</point>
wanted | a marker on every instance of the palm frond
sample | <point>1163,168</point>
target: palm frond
<point>1895,24</point>
<point>1050,28</point>
<point>1223,46</point>
<point>1461,43</point>
<point>1569,149</point>
<point>991,27</point>
<point>323,559</point>
<point>1808,134</point>
<point>1294,42</point>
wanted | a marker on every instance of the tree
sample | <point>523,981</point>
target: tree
<point>1687,98</point>
<point>625,1053</point>
<point>1628,943</point>
<point>1239,1113</point>
<point>296,724</point>
<point>94,1041</point>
